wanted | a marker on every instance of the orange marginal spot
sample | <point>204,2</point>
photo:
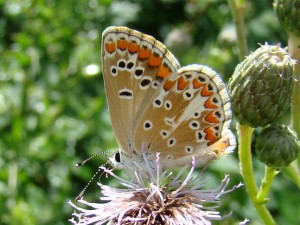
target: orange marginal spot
<point>164,71</point>
<point>169,84</point>
<point>133,47</point>
<point>197,84</point>
<point>210,135</point>
<point>122,44</point>
<point>144,53</point>
<point>205,91</point>
<point>210,117</point>
<point>212,142</point>
<point>182,83</point>
<point>110,47</point>
<point>209,104</point>
<point>220,146</point>
<point>154,60</point>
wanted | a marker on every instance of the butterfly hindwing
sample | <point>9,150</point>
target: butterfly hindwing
<point>188,116</point>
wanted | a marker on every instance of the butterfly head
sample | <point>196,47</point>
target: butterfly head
<point>115,160</point>
<point>133,163</point>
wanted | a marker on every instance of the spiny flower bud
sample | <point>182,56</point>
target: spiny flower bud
<point>288,13</point>
<point>261,86</point>
<point>277,146</point>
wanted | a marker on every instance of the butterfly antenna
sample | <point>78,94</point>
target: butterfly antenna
<point>88,159</point>
<point>89,183</point>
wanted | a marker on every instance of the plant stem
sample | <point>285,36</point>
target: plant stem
<point>293,172</point>
<point>270,173</point>
<point>245,132</point>
<point>294,51</point>
<point>245,135</point>
<point>237,9</point>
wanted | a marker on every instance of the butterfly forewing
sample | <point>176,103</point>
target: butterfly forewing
<point>134,66</point>
<point>189,115</point>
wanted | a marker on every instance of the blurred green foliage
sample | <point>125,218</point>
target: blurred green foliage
<point>52,102</point>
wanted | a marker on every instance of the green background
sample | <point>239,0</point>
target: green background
<point>53,112</point>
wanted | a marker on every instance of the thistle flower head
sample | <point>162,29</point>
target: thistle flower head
<point>161,198</point>
<point>277,146</point>
<point>288,12</point>
<point>261,86</point>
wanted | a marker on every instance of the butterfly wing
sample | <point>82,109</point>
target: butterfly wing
<point>188,116</point>
<point>134,65</point>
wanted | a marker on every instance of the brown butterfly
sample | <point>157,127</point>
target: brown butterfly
<point>157,106</point>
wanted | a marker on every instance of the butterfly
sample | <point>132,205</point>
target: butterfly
<point>156,105</point>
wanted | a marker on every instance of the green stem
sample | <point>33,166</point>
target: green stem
<point>293,172</point>
<point>245,132</point>
<point>270,173</point>
<point>294,51</point>
<point>245,157</point>
<point>237,9</point>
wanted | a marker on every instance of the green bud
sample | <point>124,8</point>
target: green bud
<point>261,86</point>
<point>277,146</point>
<point>288,13</point>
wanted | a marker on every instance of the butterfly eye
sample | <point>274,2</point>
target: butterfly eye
<point>118,157</point>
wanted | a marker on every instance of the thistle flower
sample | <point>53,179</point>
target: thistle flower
<point>161,198</point>
<point>288,12</point>
<point>277,146</point>
<point>261,86</point>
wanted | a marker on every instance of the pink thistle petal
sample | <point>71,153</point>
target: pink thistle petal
<point>156,199</point>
